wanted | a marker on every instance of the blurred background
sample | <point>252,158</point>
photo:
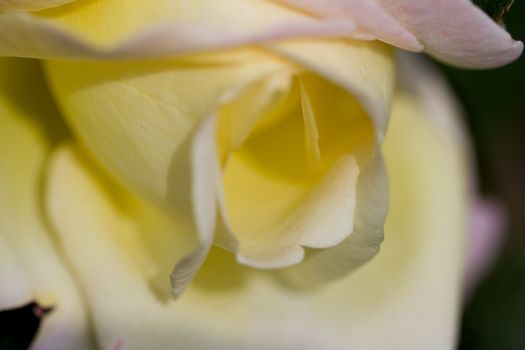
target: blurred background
<point>494,100</point>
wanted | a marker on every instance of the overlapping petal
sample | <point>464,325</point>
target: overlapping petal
<point>89,29</point>
<point>409,281</point>
<point>454,31</point>
<point>32,269</point>
<point>157,108</point>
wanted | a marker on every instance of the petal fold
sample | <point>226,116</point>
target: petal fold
<point>87,29</point>
<point>371,19</point>
<point>456,32</point>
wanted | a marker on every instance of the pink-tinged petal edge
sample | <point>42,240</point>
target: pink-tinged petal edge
<point>486,237</point>
<point>456,32</point>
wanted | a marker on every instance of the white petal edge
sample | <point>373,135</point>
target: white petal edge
<point>205,186</point>
<point>24,35</point>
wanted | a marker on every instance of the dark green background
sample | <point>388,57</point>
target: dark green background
<point>495,103</point>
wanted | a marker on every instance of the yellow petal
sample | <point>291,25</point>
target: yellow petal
<point>38,272</point>
<point>119,246</point>
<point>415,277</point>
<point>146,113</point>
<point>30,5</point>
<point>365,72</point>
<point>89,28</point>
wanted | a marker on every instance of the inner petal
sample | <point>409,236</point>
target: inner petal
<point>299,161</point>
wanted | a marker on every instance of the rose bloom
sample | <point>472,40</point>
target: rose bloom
<point>213,174</point>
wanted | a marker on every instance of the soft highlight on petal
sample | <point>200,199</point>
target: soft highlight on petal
<point>88,29</point>
<point>41,275</point>
<point>415,277</point>
<point>372,20</point>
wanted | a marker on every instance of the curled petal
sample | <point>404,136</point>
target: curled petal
<point>364,239</point>
<point>172,97</point>
<point>371,19</point>
<point>275,208</point>
<point>165,29</point>
<point>364,70</point>
<point>456,32</point>
<point>416,276</point>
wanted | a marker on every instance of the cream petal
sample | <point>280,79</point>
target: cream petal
<point>87,29</point>
<point>15,288</point>
<point>456,32</point>
<point>152,139</point>
<point>144,141</point>
<point>30,5</point>
<point>363,235</point>
<point>361,245</point>
<point>275,200</point>
<point>154,107</point>
<point>205,184</point>
<point>365,70</point>
<point>111,248</point>
<point>30,261</point>
<point>181,239</point>
<point>415,277</point>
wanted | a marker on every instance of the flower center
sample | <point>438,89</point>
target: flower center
<point>286,143</point>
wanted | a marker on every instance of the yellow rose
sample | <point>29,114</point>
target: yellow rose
<point>253,126</point>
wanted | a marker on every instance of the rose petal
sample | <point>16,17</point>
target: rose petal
<point>372,20</point>
<point>369,79</point>
<point>276,198</point>
<point>38,273</point>
<point>89,30</point>
<point>205,184</point>
<point>415,277</point>
<point>117,245</point>
<point>365,70</point>
<point>456,32</point>
<point>363,242</point>
<point>30,5</point>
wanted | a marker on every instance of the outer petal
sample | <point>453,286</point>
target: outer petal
<point>415,277</point>
<point>88,29</point>
<point>372,20</point>
<point>30,5</point>
<point>148,129</point>
<point>456,32</point>
<point>171,98</point>
<point>94,220</point>
<point>487,234</point>
<point>31,268</point>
